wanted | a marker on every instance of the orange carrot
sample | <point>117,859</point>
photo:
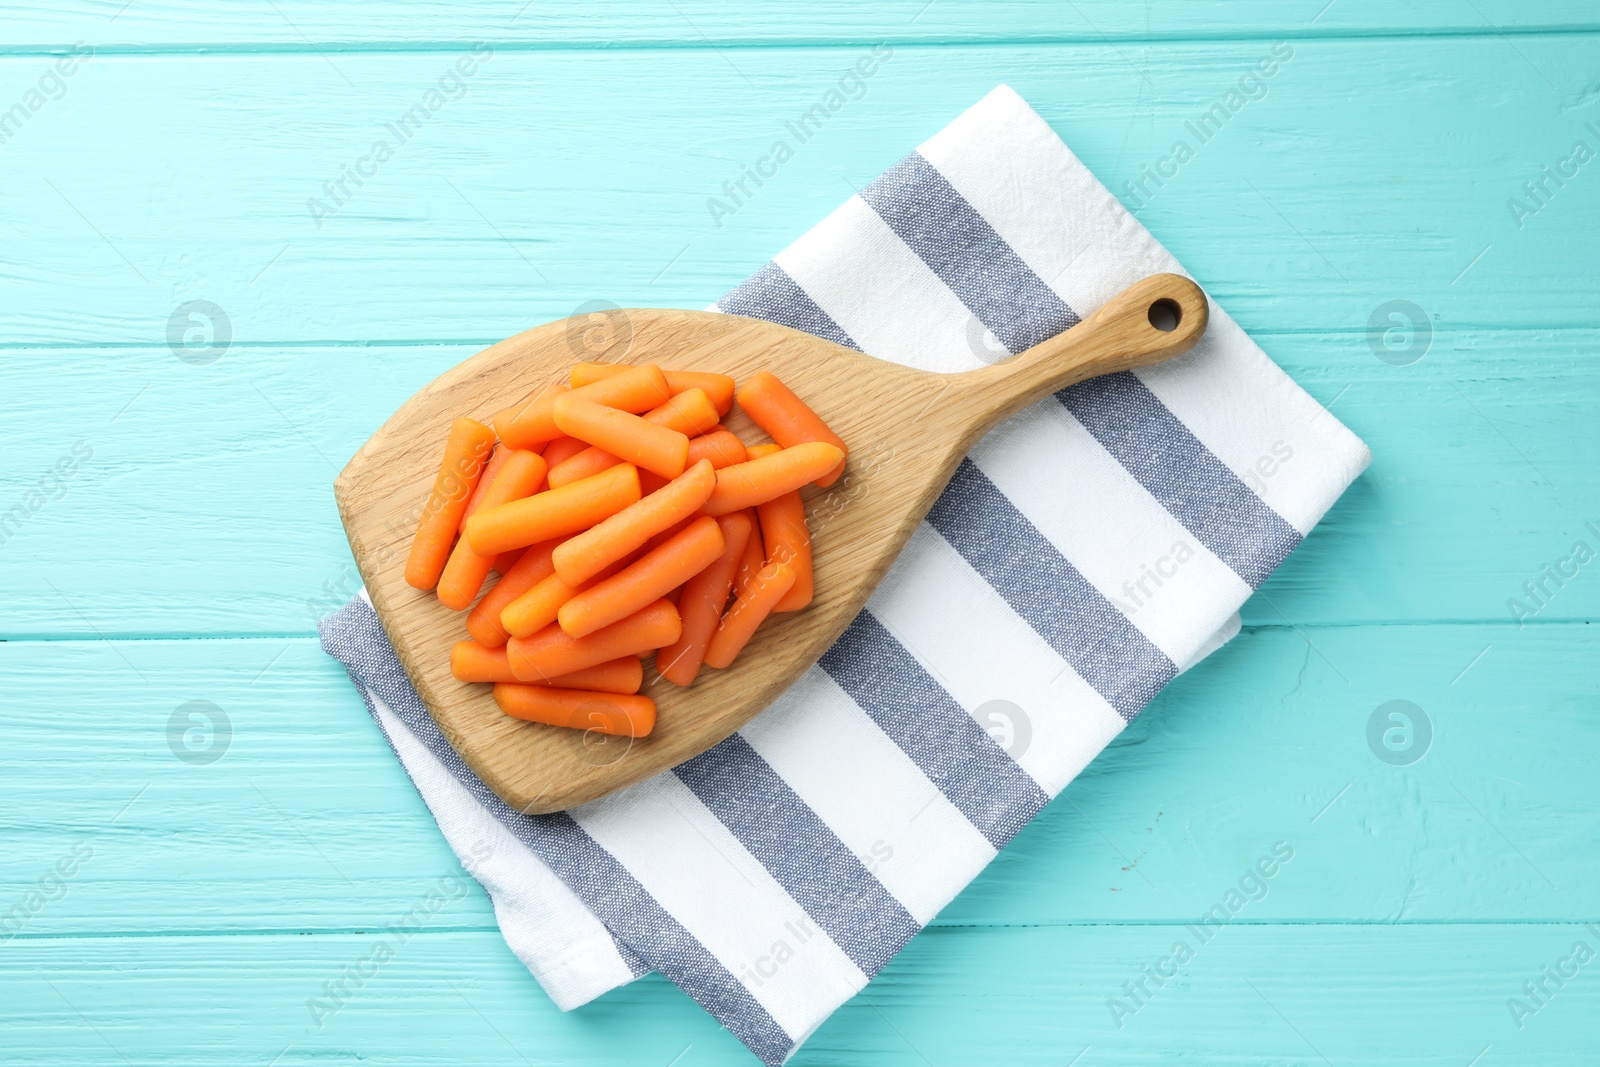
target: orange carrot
<point>497,459</point>
<point>483,621</point>
<point>701,603</point>
<point>633,390</point>
<point>507,559</point>
<point>625,674</point>
<point>642,582</point>
<point>585,464</point>
<point>668,534</point>
<point>775,408</point>
<point>562,449</point>
<point>554,512</point>
<point>537,608</point>
<point>755,557</point>
<point>650,481</point>
<point>718,387</point>
<point>589,373</point>
<point>551,653</point>
<point>765,449</point>
<point>722,447</point>
<point>740,623</point>
<point>618,714</point>
<point>756,481</point>
<point>472,662</point>
<point>504,417</point>
<point>787,538</point>
<point>585,555</point>
<point>465,454</point>
<point>655,448</point>
<point>463,576</point>
<point>505,422</point>
<point>690,412</point>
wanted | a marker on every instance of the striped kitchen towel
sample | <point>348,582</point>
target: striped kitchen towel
<point>1086,552</point>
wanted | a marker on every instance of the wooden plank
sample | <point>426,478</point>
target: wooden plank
<point>206,506</point>
<point>1292,994</point>
<point>173,24</point>
<point>561,177</point>
<point>303,820</point>
<point>306,821</point>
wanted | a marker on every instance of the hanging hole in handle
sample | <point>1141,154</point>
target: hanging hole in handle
<point>1165,315</point>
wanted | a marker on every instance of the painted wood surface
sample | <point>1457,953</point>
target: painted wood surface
<point>188,551</point>
<point>158,25</point>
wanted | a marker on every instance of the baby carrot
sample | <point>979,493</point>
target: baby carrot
<point>463,576</point>
<point>507,559</point>
<point>701,603</point>
<point>618,714</point>
<point>497,459</point>
<point>633,390</point>
<point>554,512</point>
<point>655,448</point>
<point>483,621</point>
<point>755,557</point>
<point>504,416</point>
<point>585,555</point>
<point>690,412</point>
<point>668,534</point>
<point>718,387</point>
<point>588,373</point>
<point>740,623</point>
<point>756,481</point>
<point>562,449</point>
<point>505,422</point>
<point>590,461</point>
<point>648,579</point>
<point>472,662</point>
<point>721,447</point>
<point>625,674</point>
<point>787,538</point>
<point>551,653</point>
<point>536,608</point>
<point>465,454</point>
<point>774,408</point>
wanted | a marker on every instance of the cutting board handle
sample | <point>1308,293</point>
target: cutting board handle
<point>1152,320</point>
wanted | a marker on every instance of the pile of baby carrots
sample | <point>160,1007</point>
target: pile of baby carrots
<point>622,518</point>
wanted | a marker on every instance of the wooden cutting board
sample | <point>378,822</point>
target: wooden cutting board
<point>907,429</point>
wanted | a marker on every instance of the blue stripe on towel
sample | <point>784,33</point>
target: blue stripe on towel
<point>980,779</point>
<point>958,244</point>
<point>1191,483</point>
<point>871,665</point>
<point>354,637</point>
<point>1043,587</point>
<point>772,295</point>
<point>798,849</point>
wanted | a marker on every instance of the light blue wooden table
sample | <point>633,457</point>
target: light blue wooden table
<point>167,534</point>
